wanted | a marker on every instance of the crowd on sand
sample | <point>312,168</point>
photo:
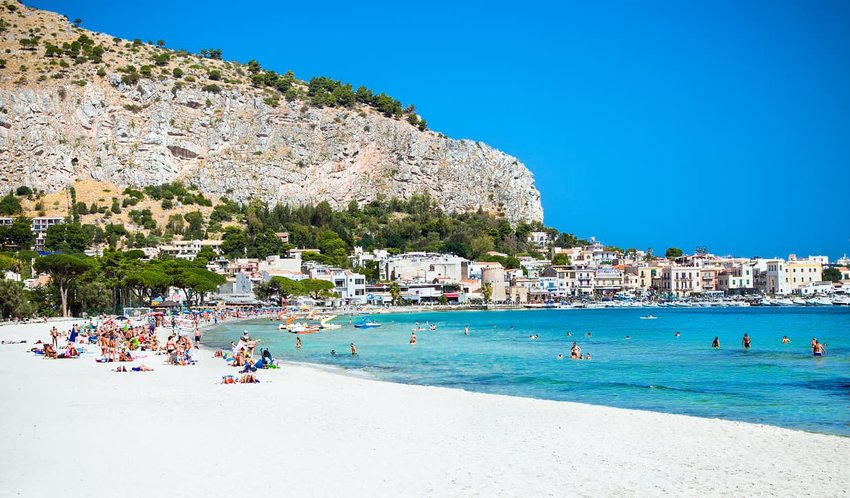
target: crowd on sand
<point>125,343</point>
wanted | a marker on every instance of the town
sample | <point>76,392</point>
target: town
<point>586,275</point>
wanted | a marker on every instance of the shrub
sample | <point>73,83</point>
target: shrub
<point>177,72</point>
<point>23,190</point>
<point>214,75</point>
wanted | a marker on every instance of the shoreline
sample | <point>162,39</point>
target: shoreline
<point>341,370</point>
<point>379,437</point>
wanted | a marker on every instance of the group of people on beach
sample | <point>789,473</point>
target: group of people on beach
<point>242,355</point>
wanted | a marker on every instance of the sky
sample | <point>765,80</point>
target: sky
<point>723,124</point>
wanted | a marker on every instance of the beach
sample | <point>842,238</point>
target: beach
<point>72,427</point>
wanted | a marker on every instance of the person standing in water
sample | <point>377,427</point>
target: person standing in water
<point>466,330</point>
<point>413,338</point>
<point>716,343</point>
<point>785,339</point>
<point>745,341</point>
<point>297,343</point>
<point>353,349</point>
<point>817,349</point>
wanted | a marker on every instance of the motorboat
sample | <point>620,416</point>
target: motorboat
<point>649,317</point>
<point>841,301</point>
<point>819,301</point>
<point>302,328</point>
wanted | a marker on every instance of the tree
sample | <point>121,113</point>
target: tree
<point>487,291</point>
<point>67,237</point>
<point>395,293</point>
<point>10,205</point>
<point>701,250</point>
<point>234,243</point>
<point>20,234</point>
<point>831,275</point>
<point>673,253</point>
<point>317,288</point>
<point>7,263</point>
<point>13,299</point>
<point>64,270</point>
<point>77,22</point>
<point>23,190</point>
<point>160,43</point>
<point>146,279</point>
<point>561,259</point>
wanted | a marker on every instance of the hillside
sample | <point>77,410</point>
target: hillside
<point>78,105</point>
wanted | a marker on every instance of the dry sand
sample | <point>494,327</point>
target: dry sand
<point>74,428</point>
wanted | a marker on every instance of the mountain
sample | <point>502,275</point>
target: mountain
<point>79,105</point>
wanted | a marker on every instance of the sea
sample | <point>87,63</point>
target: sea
<point>636,363</point>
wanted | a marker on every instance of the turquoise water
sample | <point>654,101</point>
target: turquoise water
<point>773,383</point>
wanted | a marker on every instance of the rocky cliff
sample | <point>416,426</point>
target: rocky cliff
<point>61,122</point>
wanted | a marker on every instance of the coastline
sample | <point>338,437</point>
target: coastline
<point>315,432</point>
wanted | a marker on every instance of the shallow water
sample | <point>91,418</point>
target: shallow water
<point>772,383</point>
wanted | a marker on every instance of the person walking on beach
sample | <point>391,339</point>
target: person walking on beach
<point>197,338</point>
<point>745,341</point>
<point>353,349</point>
<point>297,343</point>
<point>716,343</point>
<point>54,337</point>
<point>413,338</point>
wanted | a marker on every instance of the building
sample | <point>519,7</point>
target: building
<point>803,272</point>
<point>681,280</point>
<point>6,222</point>
<point>776,279</point>
<point>608,281</point>
<point>494,274</point>
<point>540,240</point>
<point>40,225</point>
<point>424,267</point>
<point>350,286</point>
<point>646,274</point>
<point>188,249</point>
<point>736,278</point>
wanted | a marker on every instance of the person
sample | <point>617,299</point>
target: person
<point>73,338</point>
<point>818,350</point>
<point>812,344</point>
<point>715,343</point>
<point>575,351</point>
<point>678,334</point>
<point>588,334</point>
<point>466,330</point>
<point>569,334</point>
<point>587,356</point>
<point>297,343</point>
<point>54,337</point>
<point>353,349</point>
<point>267,357</point>
<point>745,341</point>
<point>333,352</point>
<point>413,338</point>
<point>197,338</point>
<point>560,356</point>
<point>785,339</point>
<point>628,337</point>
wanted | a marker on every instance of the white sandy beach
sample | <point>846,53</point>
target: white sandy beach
<point>74,428</point>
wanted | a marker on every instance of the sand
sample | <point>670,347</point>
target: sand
<point>74,428</point>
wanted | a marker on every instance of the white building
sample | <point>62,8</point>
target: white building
<point>40,225</point>
<point>540,240</point>
<point>188,249</point>
<point>424,267</point>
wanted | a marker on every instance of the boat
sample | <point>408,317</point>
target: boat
<point>841,301</point>
<point>819,301</point>
<point>649,317</point>
<point>302,328</point>
<point>366,324</point>
<point>798,302</point>
<point>784,302</point>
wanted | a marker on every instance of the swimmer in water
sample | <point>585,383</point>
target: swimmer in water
<point>628,337</point>
<point>716,343</point>
<point>353,349</point>
<point>678,334</point>
<point>587,356</point>
<point>560,357</point>
<point>466,330</point>
<point>817,349</point>
<point>333,352</point>
<point>413,338</point>
<point>569,335</point>
<point>785,339</point>
<point>745,341</point>
<point>297,343</point>
<point>588,334</point>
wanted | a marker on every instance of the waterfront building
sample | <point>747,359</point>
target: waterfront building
<point>804,271</point>
<point>423,266</point>
<point>681,280</point>
<point>494,274</point>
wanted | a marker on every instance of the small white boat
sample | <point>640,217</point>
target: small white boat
<point>819,301</point>
<point>784,302</point>
<point>649,317</point>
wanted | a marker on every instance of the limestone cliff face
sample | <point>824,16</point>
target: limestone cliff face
<point>233,143</point>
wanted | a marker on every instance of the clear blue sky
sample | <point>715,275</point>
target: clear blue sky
<point>723,124</point>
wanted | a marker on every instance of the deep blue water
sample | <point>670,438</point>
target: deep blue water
<point>773,383</point>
